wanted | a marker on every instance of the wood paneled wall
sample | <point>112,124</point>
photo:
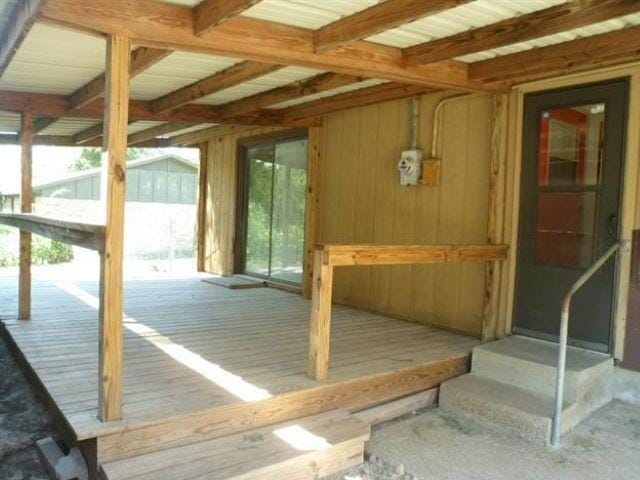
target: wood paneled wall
<point>220,218</point>
<point>361,201</point>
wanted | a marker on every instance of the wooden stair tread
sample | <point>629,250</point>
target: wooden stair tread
<point>303,448</point>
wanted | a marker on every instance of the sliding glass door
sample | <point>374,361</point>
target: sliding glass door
<point>274,185</point>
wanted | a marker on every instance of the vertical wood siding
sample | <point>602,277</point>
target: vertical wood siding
<point>362,202</point>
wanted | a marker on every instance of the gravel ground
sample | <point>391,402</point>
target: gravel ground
<point>23,420</point>
<point>434,445</point>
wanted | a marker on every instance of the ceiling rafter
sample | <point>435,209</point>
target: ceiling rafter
<point>234,75</point>
<point>88,134</point>
<point>611,48</point>
<point>155,132</point>
<point>377,19</point>
<point>249,39</point>
<point>355,98</point>
<point>141,59</point>
<point>301,88</point>
<point>67,141</point>
<point>208,14</point>
<point>57,106</point>
<point>556,19</point>
<point>20,21</point>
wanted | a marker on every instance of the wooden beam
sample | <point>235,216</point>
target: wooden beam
<point>211,13</point>
<point>302,88</point>
<point>238,73</point>
<point>141,59</point>
<point>115,134</point>
<point>20,21</point>
<point>47,105</point>
<point>355,98</point>
<point>26,201</point>
<point>67,141</point>
<point>87,134</point>
<point>586,53</point>
<point>154,132</point>
<point>556,19</point>
<point>84,235</point>
<point>376,19</point>
<point>340,255</point>
<point>202,205</point>
<point>249,39</point>
<point>208,133</point>
<point>41,123</point>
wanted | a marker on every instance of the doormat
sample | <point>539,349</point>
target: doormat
<point>234,282</point>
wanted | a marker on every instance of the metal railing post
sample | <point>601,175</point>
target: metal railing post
<point>564,334</point>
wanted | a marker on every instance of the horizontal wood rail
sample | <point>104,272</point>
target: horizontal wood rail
<point>85,235</point>
<point>326,257</point>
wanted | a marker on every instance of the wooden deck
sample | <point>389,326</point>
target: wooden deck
<point>193,349</point>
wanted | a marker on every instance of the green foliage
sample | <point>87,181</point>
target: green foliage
<point>91,157</point>
<point>43,250</point>
<point>276,205</point>
<point>49,251</point>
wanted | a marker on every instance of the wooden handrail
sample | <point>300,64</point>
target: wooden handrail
<point>85,235</point>
<point>326,257</point>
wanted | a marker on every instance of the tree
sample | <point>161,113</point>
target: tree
<point>91,157</point>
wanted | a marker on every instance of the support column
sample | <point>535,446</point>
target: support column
<point>26,200</point>
<point>115,143</point>
<point>320,325</point>
<point>202,206</point>
<point>314,141</point>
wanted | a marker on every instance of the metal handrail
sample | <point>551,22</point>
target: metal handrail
<point>564,333</point>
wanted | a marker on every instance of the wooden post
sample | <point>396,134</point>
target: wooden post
<point>320,326</point>
<point>311,211</point>
<point>495,212</point>
<point>202,206</point>
<point>115,142</point>
<point>26,200</point>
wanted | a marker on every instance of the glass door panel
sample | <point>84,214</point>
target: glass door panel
<point>275,208</point>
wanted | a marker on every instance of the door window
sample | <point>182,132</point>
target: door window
<point>275,208</point>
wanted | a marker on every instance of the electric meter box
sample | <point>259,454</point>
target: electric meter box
<point>410,167</point>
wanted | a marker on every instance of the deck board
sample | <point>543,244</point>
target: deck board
<point>191,346</point>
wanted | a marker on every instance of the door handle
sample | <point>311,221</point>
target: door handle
<point>612,224</point>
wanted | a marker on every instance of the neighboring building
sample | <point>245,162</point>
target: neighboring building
<point>161,198</point>
<point>163,179</point>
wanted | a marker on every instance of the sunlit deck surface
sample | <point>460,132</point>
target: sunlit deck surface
<point>191,346</point>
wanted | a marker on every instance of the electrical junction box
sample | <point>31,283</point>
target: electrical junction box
<point>410,167</point>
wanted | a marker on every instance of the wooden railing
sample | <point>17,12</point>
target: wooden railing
<point>85,235</point>
<point>326,257</point>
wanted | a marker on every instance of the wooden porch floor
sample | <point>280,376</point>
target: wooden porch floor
<point>191,346</point>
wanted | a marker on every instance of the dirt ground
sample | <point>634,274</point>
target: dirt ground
<point>426,445</point>
<point>432,445</point>
<point>23,420</point>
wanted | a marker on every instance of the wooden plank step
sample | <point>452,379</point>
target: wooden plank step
<point>302,449</point>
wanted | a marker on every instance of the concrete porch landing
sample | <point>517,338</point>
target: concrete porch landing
<point>512,385</point>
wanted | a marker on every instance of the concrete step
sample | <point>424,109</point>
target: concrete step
<point>303,449</point>
<point>522,412</point>
<point>531,364</point>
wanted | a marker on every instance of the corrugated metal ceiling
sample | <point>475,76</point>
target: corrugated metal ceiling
<point>9,122</point>
<point>275,79</point>
<point>347,88</point>
<point>54,60</point>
